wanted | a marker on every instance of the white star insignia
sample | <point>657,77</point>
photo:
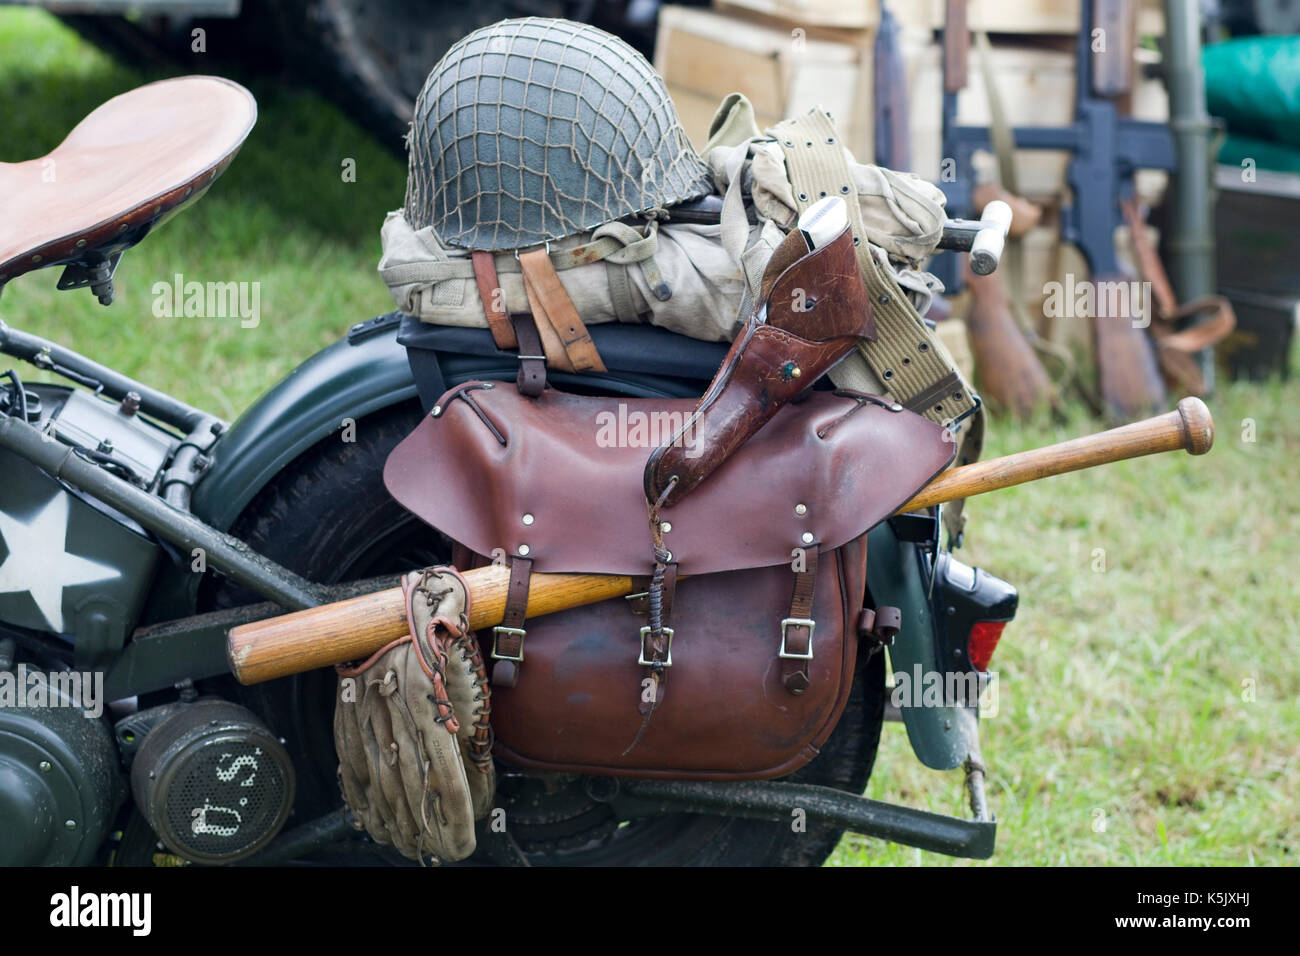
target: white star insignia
<point>39,564</point>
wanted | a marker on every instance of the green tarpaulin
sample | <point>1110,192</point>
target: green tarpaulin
<point>1253,83</point>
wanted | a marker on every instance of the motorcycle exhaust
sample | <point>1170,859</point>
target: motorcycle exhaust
<point>354,629</point>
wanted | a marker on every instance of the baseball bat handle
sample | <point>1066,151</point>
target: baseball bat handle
<point>1188,428</point>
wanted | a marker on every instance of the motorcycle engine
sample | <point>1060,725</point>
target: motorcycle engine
<point>214,783</point>
<point>60,783</point>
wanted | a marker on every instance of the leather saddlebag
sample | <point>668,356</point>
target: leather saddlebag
<point>766,579</point>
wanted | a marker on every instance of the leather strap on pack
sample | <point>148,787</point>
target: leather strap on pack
<point>905,356</point>
<point>638,602</point>
<point>565,338</point>
<point>489,291</point>
<point>508,636</point>
<point>531,379</point>
<point>797,630</point>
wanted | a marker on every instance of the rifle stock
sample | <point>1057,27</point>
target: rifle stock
<point>1130,380</point>
<point>1010,375</point>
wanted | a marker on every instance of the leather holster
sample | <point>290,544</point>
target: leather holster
<point>813,309</point>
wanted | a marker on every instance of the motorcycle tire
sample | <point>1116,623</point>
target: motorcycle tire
<point>329,518</point>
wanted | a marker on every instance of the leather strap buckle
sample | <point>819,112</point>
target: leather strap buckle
<point>511,632</point>
<point>786,624</point>
<point>668,661</point>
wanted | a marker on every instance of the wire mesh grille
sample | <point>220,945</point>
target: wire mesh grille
<point>226,797</point>
<point>537,129</point>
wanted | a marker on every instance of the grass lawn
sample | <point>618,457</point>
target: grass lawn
<point>282,215</point>
<point>1148,708</point>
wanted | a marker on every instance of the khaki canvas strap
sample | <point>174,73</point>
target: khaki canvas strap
<point>906,356</point>
<point>603,246</point>
<point>1013,253</point>
<point>565,338</point>
<point>489,290</point>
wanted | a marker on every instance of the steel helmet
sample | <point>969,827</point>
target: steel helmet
<point>537,129</point>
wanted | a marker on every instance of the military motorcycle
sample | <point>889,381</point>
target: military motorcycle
<point>137,533</point>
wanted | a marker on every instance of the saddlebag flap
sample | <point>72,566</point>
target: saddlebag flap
<point>767,574</point>
<point>559,478</point>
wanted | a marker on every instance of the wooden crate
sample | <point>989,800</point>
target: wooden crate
<point>993,16</point>
<point>1060,17</point>
<point>842,14</point>
<point>703,55</point>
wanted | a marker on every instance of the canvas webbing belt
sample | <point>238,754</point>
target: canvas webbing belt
<point>906,356</point>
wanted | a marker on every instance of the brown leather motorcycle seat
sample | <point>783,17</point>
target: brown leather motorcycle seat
<point>137,158</point>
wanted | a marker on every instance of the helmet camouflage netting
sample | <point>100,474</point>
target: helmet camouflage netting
<point>537,129</point>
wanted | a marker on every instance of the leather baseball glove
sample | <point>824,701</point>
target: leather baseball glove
<point>411,728</point>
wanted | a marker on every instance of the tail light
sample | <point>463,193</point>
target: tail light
<point>974,608</point>
<point>982,642</point>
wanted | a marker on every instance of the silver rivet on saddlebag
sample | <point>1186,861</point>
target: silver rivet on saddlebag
<point>667,526</point>
<point>527,519</point>
<point>807,537</point>
<point>801,510</point>
<point>524,549</point>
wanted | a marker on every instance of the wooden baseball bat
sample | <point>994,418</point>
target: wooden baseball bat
<point>354,629</point>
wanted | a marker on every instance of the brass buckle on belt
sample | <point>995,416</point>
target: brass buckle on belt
<point>518,632</point>
<point>788,622</point>
<point>668,661</point>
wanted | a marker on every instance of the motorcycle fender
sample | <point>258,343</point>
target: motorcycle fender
<point>941,737</point>
<point>340,384</point>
